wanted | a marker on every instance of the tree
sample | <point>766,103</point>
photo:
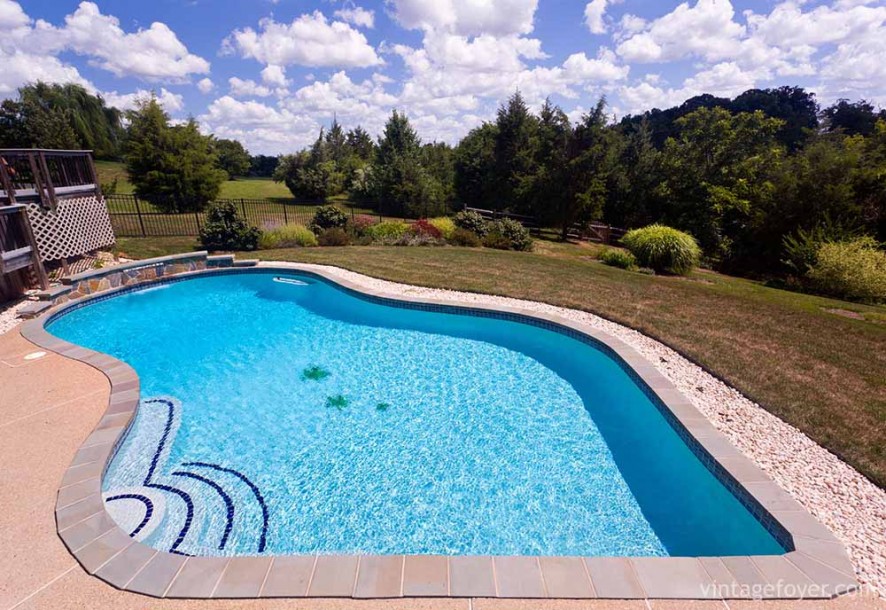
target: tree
<point>852,118</point>
<point>262,166</point>
<point>61,116</point>
<point>636,202</point>
<point>360,143</point>
<point>474,166</point>
<point>402,184</point>
<point>714,174</point>
<point>514,150</point>
<point>173,167</point>
<point>336,143</point>
<point>543,192</point>
<point>793,105</point>
<point>232,157</point>
<point>593,169</point>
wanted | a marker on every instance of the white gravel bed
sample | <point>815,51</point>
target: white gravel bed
<point>840,497</point>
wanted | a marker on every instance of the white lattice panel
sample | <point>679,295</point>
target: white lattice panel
<point>79,225</point>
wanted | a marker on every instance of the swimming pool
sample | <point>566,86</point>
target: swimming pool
<point>293,416</point>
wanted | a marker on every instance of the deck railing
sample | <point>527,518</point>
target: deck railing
<point>29,174</point>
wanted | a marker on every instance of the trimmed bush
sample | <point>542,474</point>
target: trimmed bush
<point>335,236</point>
<point>463,237</point>
<point>328,217</point>
<point>853,270</point>
<point>496,240</point>
<point>225,230</point>
<point>472,221</point>
<point>618,258</point>
<point>445,225</point>
<point>287,236</point>
<point>387,232</point>
<point>516,234</point>
<point>362,222</point>
<point>663,249</point>
<point>424,228</point>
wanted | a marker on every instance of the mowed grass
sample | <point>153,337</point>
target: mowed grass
<point>241,188</point>
<point>821,372</point>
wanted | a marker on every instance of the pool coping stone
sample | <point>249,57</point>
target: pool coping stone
<point>817,567</point>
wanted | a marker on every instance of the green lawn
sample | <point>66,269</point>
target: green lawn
<point>824,373</point>
<point>242,188</point>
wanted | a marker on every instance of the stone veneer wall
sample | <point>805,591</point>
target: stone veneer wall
<point>99,280</point>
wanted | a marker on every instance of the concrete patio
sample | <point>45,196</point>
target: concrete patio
<point>49,404</point>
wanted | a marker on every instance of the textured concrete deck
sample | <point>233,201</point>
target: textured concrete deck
<point>47,408</point>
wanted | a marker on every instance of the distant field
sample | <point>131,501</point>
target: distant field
<point>242,188</point>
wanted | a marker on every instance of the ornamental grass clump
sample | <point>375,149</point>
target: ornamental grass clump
<point>663,249</point>
<point>618,258</point>
<point>287,236</point>
<point>854,270</point>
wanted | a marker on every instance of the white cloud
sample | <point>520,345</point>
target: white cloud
<point>788,26</point>
<point>274,75</point>
<point>12,15</point>
<point>260,127</point>
<point>309,40</point>
<point>20,68</point>
<point>205,85</point>
<point>29,49</point>
<point>467,17</point>
<point>248,88</point>
<point>171,102</point>
<point>357,15</point>
<point>706,30</point>
<point>595,13</point>
<point>154,54</point>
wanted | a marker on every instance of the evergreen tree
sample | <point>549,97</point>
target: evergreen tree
<point>360,143</point>
<point>173,167</point>
<point>475,166</point>
<point>514,150</point>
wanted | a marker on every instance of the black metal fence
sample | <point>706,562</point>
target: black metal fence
<point>134,217</point>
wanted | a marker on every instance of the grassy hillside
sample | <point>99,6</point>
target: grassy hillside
<point>242,188</point>
<point>817,370</point>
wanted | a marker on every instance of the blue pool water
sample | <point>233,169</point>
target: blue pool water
<point>295,417</point>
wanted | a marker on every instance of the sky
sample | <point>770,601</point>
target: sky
<point>271,73</point>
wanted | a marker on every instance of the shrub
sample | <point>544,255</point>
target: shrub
<point>419,239</point>
<point>335,236</point>
<point>445,225</point>
<point>472,221</point>
<point>425,228</point>
<point>851,270</point>
<point>463,237</point>
<point>496,240</point>
<point>225,230</point>
<point>328,217</point>
<point>362,222</point>
<point>618,258</point>
<point>663,249</point>
<point>516,234</point>
<point>287,236</point>
<point>387,232</point>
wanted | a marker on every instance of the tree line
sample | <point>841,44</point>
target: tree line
<point>754,179</point>
<point>68,117</point>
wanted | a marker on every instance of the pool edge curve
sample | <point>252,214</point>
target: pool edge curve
<point>817,567</point>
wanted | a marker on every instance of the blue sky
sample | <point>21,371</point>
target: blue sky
<point>272,73</point>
